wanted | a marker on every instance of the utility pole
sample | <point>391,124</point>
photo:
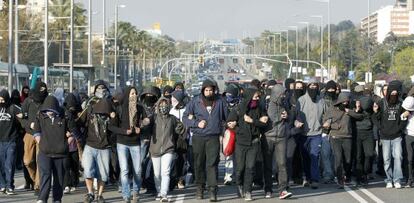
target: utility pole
<point>71,47</point>
<point>10,47</point>
<point>90,32</point>
<point>116,45</point>
<point>103,34</point>
<point>46,62</point>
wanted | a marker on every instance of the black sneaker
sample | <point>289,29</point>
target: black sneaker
<point>10,191</point>
<point>314,185</point>
<point>89,198</point>
<point>100,199</point>
<point>200,193</point>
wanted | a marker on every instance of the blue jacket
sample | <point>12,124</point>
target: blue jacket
<point>215,119</point>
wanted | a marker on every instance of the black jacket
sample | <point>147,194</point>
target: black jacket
<point>53,142</point>
<point>149,107</point>
<point>247,132</point>
<point>364,119</point>
<point>9,126</point>
<point>97,121</point>
<point>120,123</point>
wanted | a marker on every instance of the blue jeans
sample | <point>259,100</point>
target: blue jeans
<point>392,149</point>
<point>311,148</point>
<point>95,163</point>
<point>327,159</point>
<point>7,164</point>
<point>162,169</point>
<point>124,152</point>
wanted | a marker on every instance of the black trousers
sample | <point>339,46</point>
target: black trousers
<point>275,149</point>
<point>114,169</point>
<point>342,149</point>
<point>246,161</point>
<point>365,154</point>
<point>206,151</point>
<point>49,167</point>
<point>290,152</point>
<point>409,144</point>
<point>72,170</point>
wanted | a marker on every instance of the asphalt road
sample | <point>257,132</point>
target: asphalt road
<point>374,192</point>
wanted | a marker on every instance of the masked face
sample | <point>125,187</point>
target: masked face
<point>150,100</point>
<point>164,108</point>
<point>2,103</point>
<point>101,91</point>
<point>313,93</point>
<point>393,99</point>
<point>255,101</point>
<point>331,94</point>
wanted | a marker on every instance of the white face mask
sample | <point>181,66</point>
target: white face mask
<point>174,102</point>
<point>100,93</point>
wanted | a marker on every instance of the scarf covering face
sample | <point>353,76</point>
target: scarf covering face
<point>132,110</point>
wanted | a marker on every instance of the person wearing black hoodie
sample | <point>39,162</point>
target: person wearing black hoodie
<point>129,116</point>
<point>363,117</point>
<point>8,137</point>
<point>51,132</point>
<point>30,108</point>
<point>249,119</point>
<point>388,113</point>
<point>148,98</point>
<point>72,107</point>
<point>204,115</point>
<point>96,154</point>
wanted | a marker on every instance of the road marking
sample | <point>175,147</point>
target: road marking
<point>354,195</point>
<point>179,198</point>
<point>372,196</point>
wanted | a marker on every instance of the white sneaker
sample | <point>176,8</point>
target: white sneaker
<point>397,185</point>
<point>72,189</point>
<point>389,186</point>
<point>67,190</point>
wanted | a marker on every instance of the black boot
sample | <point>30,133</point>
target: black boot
<point>213,194</point>
<point>200,193</point>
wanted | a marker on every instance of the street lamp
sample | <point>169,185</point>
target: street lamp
<point>329,34</point>
<point>287,41</point>
<point>297,51</point>
<point>116,42</point>
<point>321,17</point>
<point>307,42</point>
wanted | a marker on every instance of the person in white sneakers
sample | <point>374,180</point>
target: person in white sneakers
<point>408,106</point>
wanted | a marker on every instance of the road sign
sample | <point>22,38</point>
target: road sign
<point>368,77</point>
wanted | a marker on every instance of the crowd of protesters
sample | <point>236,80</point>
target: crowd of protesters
<point>162,139</point>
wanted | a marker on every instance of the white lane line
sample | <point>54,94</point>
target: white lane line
<point>354,195</point>
<point>180,198</point>
<point>372,196</point>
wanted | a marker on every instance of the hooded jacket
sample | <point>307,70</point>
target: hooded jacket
<point>149,109</point>
<point>276,126</point>
<point>60,95</point>
<point>53,142</point>
<point>311,113</point>
<point>389,116</point>
<point>31,105</point>
<point>97,122</point>
<point>408,105</point>
<point>340,121</point>
<point>167,129</point>
<point>196,111</point>
<point>247,132</point>
<point>120,123</point>
<point>8,120</point>
<point>364,117</point>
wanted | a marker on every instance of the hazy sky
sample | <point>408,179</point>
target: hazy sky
<point>218,19</point>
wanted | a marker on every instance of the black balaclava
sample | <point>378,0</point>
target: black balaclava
<point>150,100</point>
<point>331,85</point>
<point>5,94</point>
<point>313,93</point>
<point>300,92</point>
<point>40,95</point>
<point>15,97</point>
<point>395,85</point>
<point>289,81</point>
<point>166,92</point>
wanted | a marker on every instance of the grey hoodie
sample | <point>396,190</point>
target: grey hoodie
<point>275,109</point>
<point>167,128</point>
<point>311,114</point>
